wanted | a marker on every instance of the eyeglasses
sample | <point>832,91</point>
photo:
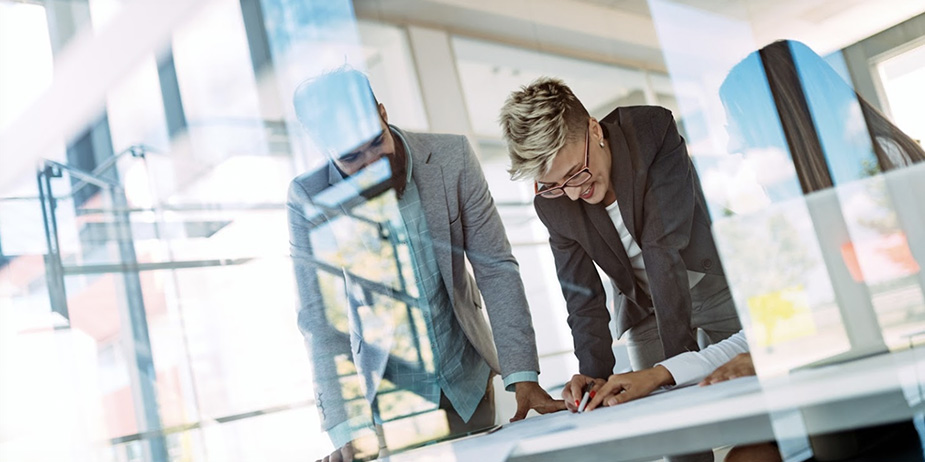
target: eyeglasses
<point>577,179</point>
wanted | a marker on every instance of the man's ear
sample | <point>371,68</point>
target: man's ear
<point>383,113</point>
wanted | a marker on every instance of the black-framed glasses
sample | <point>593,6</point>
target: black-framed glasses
<point>577,179</point>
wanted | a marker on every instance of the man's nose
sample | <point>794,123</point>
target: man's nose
<point>370,157</point>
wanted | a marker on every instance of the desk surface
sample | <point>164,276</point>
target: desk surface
<point>870,391</point>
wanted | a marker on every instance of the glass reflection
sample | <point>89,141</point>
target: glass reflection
<point>400,348</point>
<point>786,99</point>
<point>835,278</point>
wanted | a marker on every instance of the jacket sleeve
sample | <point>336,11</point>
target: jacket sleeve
<point>585,301</point>
<point>497,273</point>
<point>322,340</point>
<point>668,214</point>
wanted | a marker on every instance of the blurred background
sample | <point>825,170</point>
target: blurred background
<point>147,299</point>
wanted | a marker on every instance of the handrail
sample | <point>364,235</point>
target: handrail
<point>88,178</point>
<point>136,150</point>
<point>85,178</point>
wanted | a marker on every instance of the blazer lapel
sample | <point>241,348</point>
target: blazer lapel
<point>334,175</point>
<point>429,180</point>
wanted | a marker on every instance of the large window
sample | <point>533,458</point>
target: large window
<point>900,75</point>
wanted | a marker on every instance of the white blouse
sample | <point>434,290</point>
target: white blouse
<point>694,366</point>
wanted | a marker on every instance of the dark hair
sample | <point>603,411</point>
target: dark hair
<point>781,72</point>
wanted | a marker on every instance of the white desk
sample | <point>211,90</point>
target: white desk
<point>877,390</point>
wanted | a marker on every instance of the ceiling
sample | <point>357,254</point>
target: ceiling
<point>624,32</point>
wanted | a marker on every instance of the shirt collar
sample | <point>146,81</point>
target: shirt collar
<point>408,164</point>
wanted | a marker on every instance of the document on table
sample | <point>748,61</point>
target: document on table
<point>497,445</point>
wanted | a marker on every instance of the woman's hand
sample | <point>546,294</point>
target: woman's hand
<point>621,388</point>
<point>574,390</point>
<point>740,366</point>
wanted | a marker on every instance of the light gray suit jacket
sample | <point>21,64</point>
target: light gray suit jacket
<point>463,224</point>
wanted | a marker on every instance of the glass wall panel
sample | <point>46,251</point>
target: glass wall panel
<point>215,264</point>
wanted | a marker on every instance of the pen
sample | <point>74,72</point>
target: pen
<point>584,398</point>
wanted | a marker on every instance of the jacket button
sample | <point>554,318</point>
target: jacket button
<point>707,263</point>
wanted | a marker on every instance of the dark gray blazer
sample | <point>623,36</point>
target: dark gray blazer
<point>464,225</point>
<point>664,210</point>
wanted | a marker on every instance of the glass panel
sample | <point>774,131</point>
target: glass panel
<point>196,269</point>
<point>376,310</point>
<point>785,298</point>
<point>807,186</point>
<point>155,279</point>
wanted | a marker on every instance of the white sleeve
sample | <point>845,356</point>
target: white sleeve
<point>694,366</point>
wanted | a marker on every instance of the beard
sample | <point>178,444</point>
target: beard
<point>399,166</point>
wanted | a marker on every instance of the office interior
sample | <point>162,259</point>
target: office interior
<point>147,294</point>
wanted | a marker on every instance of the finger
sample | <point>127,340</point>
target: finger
<point>347,452</point>
<point>722,376</point>
<point>521,413</point>
<point>710,378</point>
<point>552,405</point>
<point>335,456</point>
<point>591,396</point>
<point>602,393</point>
<point>567,398</point>
<point>558,405</point>
<point>567,393</point>
<point>624,397</point>
<point>577,384</point>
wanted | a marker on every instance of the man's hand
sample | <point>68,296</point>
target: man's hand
<point>740,366</point>
<point>531,396</point>
<point>621,388</point>
<point>574,390</point>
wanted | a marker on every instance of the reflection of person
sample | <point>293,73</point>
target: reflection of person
<point>805,92</point>
<point>641,217</point>
<point>796,77</point>
<point>443,196</point>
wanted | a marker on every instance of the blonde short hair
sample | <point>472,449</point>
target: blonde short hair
<point>536,121</point>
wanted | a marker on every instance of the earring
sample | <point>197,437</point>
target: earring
<point>602,142</point>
